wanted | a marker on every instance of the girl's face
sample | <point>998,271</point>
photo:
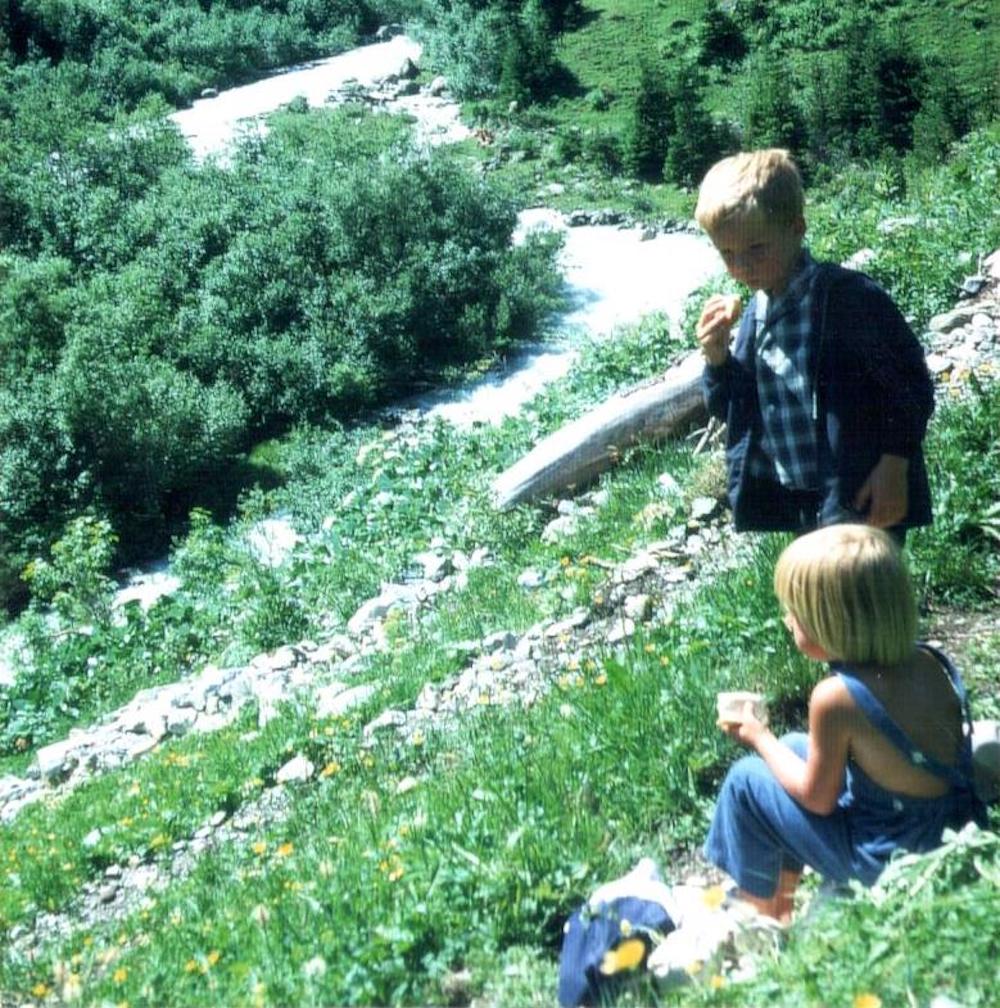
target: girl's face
<point>802,640</point>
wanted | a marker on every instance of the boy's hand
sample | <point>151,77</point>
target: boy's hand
<point>883,497</point>
<point>717,318</point>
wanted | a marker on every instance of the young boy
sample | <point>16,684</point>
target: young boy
<point>825,393</point>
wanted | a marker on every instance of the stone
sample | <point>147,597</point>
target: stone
<point>620,630</point>
<point>58,760</point>
<point>437,86</point>
<point>387,719</point>
<point>949,320</point>
<point>297,769</point>
<point>639,608</point>
<point>860,259</point>
<point>637,567</point>
<point>434,565</point>
<point>668,486</point>
<point>704,508</point>
<point>530,578</point>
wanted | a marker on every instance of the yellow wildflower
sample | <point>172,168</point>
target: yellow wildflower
<point>330,769</point>
<point>285,849</point>
<point>120,975</point>
<point>713,897</point>
<point>867,1000</point>
<point>601,679</point>
<point>191,966</point>
<point>259,847</point>
<point>625,956</point>
<point>213,957</point>
<point>717,982</point>
<point>40,990</point>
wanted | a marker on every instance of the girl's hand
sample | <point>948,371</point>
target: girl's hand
<point>746,731</point>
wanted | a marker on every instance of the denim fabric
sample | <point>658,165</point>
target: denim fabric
<point>759,829</point>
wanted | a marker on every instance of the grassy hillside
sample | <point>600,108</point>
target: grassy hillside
<point>438,868</point>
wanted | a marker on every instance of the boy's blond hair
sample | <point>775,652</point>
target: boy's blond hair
<point>849,589</point>
<point>765,182</point>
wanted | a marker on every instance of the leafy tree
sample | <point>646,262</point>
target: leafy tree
<point>771,117</point>
<point>720,40</point>
<point>652,123</point>
<point>696,141</point>
<point>529,55</point>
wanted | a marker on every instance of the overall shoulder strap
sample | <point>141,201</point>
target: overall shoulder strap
<point>873,709</point>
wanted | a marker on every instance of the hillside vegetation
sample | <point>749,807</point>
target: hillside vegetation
<point>251,316</point>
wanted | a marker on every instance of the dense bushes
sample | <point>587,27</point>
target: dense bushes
<point>169,314</point>
<point>497,48</point>
<point>128,50</point>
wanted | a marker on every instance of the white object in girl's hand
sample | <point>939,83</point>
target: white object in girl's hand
<point>731,706</point>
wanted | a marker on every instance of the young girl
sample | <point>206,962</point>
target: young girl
<point>887,761</point>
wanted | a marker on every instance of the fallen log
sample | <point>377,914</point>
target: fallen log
<point>573,455</point>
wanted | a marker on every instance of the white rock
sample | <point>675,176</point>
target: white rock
<point>269,693</point>
<point>57,759</point>
<point>639,607</point>
<point>299,768</point>
<point>387,719</point>
<point>560,528</point>
<point>668,485</point>
<point>336,706</point>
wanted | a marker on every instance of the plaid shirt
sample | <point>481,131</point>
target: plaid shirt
<point>785,361</point>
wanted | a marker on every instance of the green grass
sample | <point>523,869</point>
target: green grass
<point>402,865</point>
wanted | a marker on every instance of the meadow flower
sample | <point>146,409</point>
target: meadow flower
<point>259,847</point>
<point>601,679</point>
<point>717,982</point>
<point>625,956</point>
<point>866,1000</point>
<point>330,769</point>
<point>713,897</point>
<point>72,987</point>
<point>315,967</point>
<point>120,975</point>
<point>285,849</point>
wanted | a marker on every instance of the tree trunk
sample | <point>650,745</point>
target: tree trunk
<point>573,455</point>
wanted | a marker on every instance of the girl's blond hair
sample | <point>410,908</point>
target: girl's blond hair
<point>849,589</point>
<point>763,182</point>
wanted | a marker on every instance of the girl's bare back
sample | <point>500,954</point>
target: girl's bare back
<point>919,697</point>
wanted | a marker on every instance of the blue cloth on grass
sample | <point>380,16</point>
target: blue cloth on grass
<point>758,829</point>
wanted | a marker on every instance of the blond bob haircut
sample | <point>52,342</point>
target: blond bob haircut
<point>764,182</point>
<point>849,589</point>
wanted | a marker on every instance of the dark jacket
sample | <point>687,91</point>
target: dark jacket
<point>873,396</point>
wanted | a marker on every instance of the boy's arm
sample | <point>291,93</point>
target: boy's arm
<point>889,361</point>
<point>714,326</point>
<point>884,497</point>
<point>817,781</point>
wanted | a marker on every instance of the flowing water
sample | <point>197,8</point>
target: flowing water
<point>613,275</point>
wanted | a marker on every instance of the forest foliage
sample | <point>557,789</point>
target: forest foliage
<point>158,317</point>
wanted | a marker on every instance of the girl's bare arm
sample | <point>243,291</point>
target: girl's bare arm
<point>816,782</point>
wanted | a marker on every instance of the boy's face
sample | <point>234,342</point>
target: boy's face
<point>758,252</point>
